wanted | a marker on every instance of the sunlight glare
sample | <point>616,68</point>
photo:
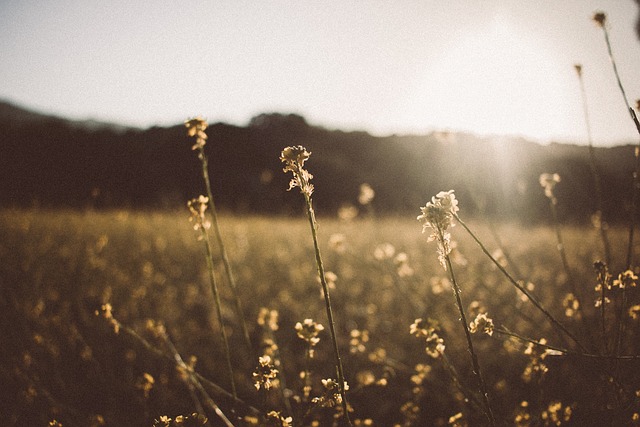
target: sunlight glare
<point>498,80</point>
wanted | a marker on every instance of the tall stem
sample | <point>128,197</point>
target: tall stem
<point>216,296</point>
<point>223,252</point>
<point>327,301</point>
<point>602,225</point>
<point>636,184</point>
<point>463,320</point>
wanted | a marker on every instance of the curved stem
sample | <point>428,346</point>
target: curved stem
<point>463,319</point>
<point>521,288</point>
<point>223,252</point>
<point>216,296</point>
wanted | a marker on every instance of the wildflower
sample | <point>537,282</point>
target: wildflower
<point>276,420</point>
<point>422,371</point>
<point>625,280</point>
<point>457,420</point>
<point>196,127</point>
<point>428,329</point>
<point>309,330</point>
<point>556,414</point>
<point>523,417</point>
<point>294,159</point>
<point>265,374</point>
<point>438,214</point>
<point>347,212</point>
<point>402,264</point>
<point>145,383</point>
<point>384,251</point>
<point>536,365</point>
<point>358,341</point>
<point>338,243</point>
<point>600,18</point>
<point>366,194</point>
<point>331,396</point>
<point>439,284</point>
<point>634,312</point>
<point>548,181</point>
<point>197,207</point>
<point>571,305</point>
<point>482,323</point>
<point>268,318</point>
<point>106,312</point>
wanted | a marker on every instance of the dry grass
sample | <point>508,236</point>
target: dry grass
<point>62,361</point>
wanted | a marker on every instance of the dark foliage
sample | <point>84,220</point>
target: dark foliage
<point>51,162</point>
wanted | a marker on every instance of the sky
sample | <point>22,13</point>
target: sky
<point>491,67</point>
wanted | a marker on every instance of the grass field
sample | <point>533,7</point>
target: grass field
<point>60,360</point>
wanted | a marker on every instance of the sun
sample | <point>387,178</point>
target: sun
<point>499,79</point>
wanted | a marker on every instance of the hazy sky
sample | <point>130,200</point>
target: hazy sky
<point>403,66</point>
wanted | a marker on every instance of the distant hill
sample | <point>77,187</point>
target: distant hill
<point>52,162</point>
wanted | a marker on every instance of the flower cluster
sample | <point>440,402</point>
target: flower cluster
<point>482,323</point>
<point>366,194</point>
<point>197,207</point>
<point>536,366</point>
<point>571,305</point>
<point>194,419</point>
<point>106,312</point>
<point>145,384</point>
<point>358,341</point>
<point>626,279</point>
<point>428,329</point>
<point>308,331</point>
<point>548,181</point>
<point>276,420</point>
<point>294,159</point>
<point>556,414</point>
<point>196,127</point>
<point>332,395</point>
<point>438,214</point>
<point>265,374</point>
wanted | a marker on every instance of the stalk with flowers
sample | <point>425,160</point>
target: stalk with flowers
<point>196,128</point>
<point>198,207</point>
<point>438,215</point>
<point>294,159</point>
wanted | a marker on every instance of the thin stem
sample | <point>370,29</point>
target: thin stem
<point>327,300</point>
<point>223,251</point>
<point>602,225</point>
<point>565,352</point>
<point>634,198</point>
<point>216,296</point>
<point>194,383</point>
<point>521,288</point>
<point>220,392</point>
<point>560,246</point>
<point>463,320</point>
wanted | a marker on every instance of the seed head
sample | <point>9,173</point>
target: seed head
<point>438,214</point>
<point>294,159</point>
<point>600,18</point>
<point>196,127</point>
